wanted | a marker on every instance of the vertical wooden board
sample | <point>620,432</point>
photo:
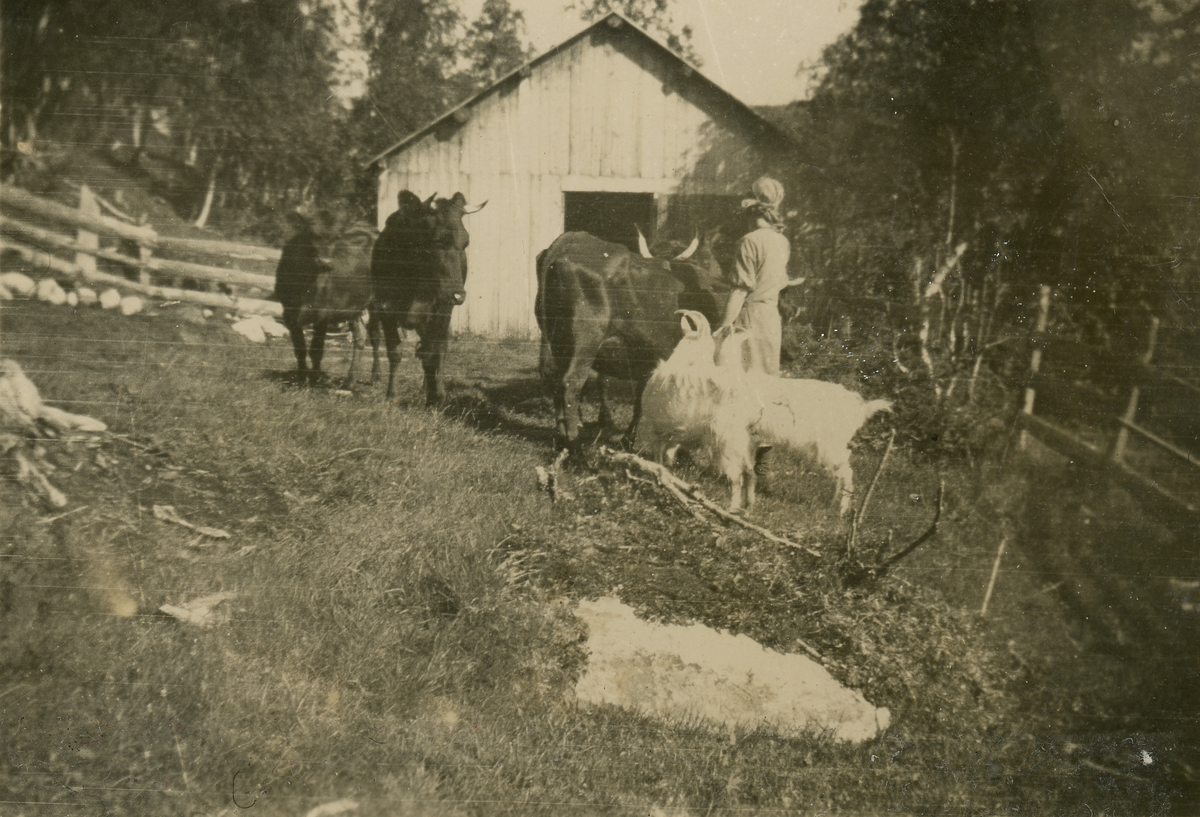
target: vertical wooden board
<point>480,275</point>
<point>523,268</point>
<point>670,109</point>
<point>581,110</point>
<point>686,130</point>
<point>606,59</point>
<point>627,108</point>
<point>559,71</point>
<point>524,146</point>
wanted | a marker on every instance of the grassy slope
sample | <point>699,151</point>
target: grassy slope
<point>402,634</point>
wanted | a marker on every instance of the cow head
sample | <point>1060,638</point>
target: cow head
<point>446,240</point>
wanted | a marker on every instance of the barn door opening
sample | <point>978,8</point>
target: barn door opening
<point>611,216</point>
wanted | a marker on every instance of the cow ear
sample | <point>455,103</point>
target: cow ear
<point>459,200</point>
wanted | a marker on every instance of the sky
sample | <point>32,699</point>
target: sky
<point>752,48</point>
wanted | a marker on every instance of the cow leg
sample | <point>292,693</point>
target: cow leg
<point>373,331</point>
<point>606,418</point>
<point>434,341</point>
<point>316,349</point>
<point>358,331</point>
<point>291,319</point>
<point>568,401</point>
<point>391,337</point>
<point>631,432</point>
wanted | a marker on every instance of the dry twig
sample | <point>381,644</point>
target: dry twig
<point>689,496</point>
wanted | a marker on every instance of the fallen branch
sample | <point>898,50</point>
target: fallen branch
<point>804,646</point>
<point>930,531</point>
<point>690,495</point>
<point>858,573</point>
<point>862,509</point>
<point>167,514</point>
<point>52,519</point>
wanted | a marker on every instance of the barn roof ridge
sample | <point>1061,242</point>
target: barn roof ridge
<point>552,52</point>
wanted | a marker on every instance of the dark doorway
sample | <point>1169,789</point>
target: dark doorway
<point>611,216</point>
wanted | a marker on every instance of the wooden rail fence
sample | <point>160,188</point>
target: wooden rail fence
<point>75,255</point>
<point>1120,423</point>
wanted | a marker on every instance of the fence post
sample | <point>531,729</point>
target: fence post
<point>88,206</point>
<point>1035,359</point>
<point>1135,393</point>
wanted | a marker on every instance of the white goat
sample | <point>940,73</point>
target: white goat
<point>808,416</point>
<point>690,401</point>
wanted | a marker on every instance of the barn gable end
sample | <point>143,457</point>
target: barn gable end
<point>607,125</point>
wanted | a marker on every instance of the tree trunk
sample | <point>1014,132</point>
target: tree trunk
<point>206,209</point>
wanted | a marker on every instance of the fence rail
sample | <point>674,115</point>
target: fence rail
<point>1071,360</point>
<point>38,246</point>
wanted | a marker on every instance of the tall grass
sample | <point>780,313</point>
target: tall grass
<point>402,632</point>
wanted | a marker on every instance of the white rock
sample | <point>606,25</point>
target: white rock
<point>250,329</point>
<point>693,674</point>
<point>5,294</point>
<point>18,283</point>
<point>131,305</point>
<point>72,298</point>
<point>271,327</point>
<point>208,313</point>
<point>110,299</point>
<point>49,291</point>
<point>87,296</point>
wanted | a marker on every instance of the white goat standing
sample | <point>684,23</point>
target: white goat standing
<point>808,416</point>
<point>691,401</point>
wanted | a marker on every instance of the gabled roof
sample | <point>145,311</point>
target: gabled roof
<point>550,54</point>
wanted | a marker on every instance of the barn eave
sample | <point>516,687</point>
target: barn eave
<point>460,114</point>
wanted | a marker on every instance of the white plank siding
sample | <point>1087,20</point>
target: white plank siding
<point>609,111</point>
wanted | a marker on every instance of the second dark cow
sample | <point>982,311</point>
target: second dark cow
<point>418,275</point>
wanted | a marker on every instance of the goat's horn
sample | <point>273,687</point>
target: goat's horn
<point>643,248</point>
<point>691,248</point>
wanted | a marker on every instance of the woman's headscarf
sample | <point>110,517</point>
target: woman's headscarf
<point>766,196</point>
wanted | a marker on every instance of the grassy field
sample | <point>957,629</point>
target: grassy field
<point>402,631</point>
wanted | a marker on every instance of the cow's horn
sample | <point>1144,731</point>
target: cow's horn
<point>691,248</point>
<point>429,200</point>
<point>468,210</point>
<point>643,248</point>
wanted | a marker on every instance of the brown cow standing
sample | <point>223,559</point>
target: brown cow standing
<point>418,276</point>
<point>321,282</point>
<point>599,306</point>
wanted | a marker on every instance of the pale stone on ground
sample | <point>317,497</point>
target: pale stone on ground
<point>251,330</point>
<point>694,674</point>
<point>87,296</point>
<point>50,292</point>
<point>18,284</point>
<point>270,326</point>
<point>131,305</point>
<point>110,299</point>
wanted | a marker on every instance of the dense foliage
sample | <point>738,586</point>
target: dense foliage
<point>962,154</point>
<point>252,106</point>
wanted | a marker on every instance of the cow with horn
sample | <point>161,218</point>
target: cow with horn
<point>418,276</point>
<point>601,307</point>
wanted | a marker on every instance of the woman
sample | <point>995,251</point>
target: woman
<point>760,273</point>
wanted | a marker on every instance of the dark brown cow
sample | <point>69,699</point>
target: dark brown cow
<point>321,282</point>
<point>600,306</point>
<point>418,274</point>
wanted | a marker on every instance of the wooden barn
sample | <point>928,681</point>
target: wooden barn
<point>607,130</point>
